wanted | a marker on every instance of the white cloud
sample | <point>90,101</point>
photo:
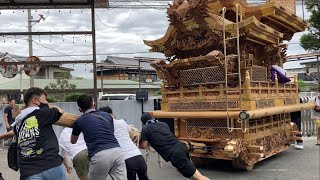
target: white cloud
<point>131,27</point>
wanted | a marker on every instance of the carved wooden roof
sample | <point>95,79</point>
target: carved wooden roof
<point>196,26</point>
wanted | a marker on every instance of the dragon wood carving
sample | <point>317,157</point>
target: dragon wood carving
<point>184,10</point>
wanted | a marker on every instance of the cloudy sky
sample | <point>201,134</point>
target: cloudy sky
<point>119,32</point>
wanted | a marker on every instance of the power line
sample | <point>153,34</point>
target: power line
<point>104,23</point>
<point>9,24</point>
<point>112,26</point>
<point>70,55</point>
<point>54,50</point>
<point>39,44</point>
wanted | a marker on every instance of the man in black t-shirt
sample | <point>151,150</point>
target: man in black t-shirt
<point>37,143</point>
<point>8,119</point>
<point>160,137</point>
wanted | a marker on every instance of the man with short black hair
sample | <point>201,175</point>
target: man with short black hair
<point>104,151</point>
<point>8,118</point>
<point>160,137</point>
<point>37,143</point>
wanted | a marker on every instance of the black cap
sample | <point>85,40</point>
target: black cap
<point>146,117</point>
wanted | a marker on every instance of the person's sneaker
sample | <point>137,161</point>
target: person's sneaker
<point>299,146</point>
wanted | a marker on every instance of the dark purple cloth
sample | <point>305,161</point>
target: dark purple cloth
<point>282,78</point>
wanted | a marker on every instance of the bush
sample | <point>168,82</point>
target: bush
<point>51,99</point>
<point>73,97</point>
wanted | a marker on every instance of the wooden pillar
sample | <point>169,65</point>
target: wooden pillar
<point>176,127</point>
<point>247,84</point>
<point>276,82</point>
<point>296,83</point>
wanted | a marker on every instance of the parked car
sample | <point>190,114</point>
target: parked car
<point>118,97</point>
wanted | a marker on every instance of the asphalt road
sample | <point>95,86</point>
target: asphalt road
<point>291,164</point>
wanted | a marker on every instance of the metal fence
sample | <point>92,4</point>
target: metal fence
<point>308,127</point>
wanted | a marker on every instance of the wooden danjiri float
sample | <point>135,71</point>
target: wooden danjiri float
<point>217,82</point>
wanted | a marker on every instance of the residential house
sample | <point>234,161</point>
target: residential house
<point>45,72</point>
<point>304,66</point>
<point>122,68</point>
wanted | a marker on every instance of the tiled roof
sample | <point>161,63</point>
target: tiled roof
<point>128,61</point>
<point>18,58</point>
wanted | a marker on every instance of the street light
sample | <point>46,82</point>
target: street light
<point>30,21</point>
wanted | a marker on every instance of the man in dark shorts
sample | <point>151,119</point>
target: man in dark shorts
<point>160,137</point>
<point>8,118</point>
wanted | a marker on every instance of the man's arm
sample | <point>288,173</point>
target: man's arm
<point>7,135</point>
<point>65,163</point>
<point>74,139</point>
<point>6,120</point>
<point>59,109</point>
<point>131,134</point>
<point>75,132</point>
<point>143,144</point>
<point>6,113</point>
<point>63,154</point>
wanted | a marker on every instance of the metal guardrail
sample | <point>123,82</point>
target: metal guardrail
<point>308,126</point>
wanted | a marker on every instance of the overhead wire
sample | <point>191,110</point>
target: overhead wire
<point>72,55</point>
<point>104,23</point>
<point>9,24</point>
<point>127,20</point>
<point>39,44</point>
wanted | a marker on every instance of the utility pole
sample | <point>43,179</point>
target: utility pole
<point>139,75</point>
<point>318,73</point>
<point>30,42</point>
<point>302,9</point>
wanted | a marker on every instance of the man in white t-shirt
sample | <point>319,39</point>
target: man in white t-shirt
<point>315,115</point>
<point>77,153</point>
<point>135,163</point>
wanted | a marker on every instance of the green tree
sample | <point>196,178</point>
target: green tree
<point>62,84</point>
<point>73,97</point>
<point>302,86</point>
<point>311,41</point>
